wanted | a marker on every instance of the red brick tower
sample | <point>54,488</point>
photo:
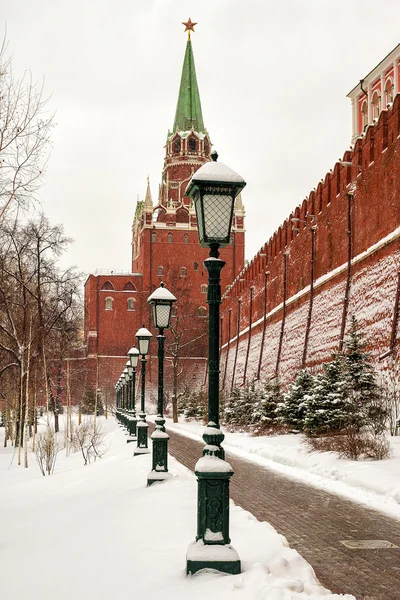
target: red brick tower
<point>165,247</point>
<point>165,242</point>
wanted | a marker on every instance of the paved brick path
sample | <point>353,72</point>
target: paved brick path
<point>314,522</point>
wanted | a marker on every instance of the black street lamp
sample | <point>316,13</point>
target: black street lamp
<point>125,380</point>
<point>213,189</point>
<point>117,400</point>
<point>161,301</point>
<point>129,418</point>
<point>143,337</point>
<point>133,360</point>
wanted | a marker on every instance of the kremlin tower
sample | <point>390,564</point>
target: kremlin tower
<point>165,247</point>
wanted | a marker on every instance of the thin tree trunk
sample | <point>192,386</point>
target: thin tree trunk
<point>68,428</point>
<point>27,420</point>
<point>20,425</point>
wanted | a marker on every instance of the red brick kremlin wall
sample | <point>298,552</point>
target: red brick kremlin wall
<point>355,211</point>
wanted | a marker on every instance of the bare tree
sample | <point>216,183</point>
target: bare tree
<point>48,445</point>
<point>89,438</point>
<point>24,136</point>
<point>186,337</point>
<point>41,311</point>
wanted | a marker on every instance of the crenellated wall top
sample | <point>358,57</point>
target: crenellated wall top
<point>350,172</point>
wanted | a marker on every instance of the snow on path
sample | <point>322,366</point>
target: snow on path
<point>97,531</point>
<point>375,484</point>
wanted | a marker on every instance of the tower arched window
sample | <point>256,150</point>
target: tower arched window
<point>203,288</point>
<point>192,144</point>
<point>388,92</point>
<point>183,271</point>
<point>129,287</point>
<point>109,303</point>
<point>196,266</point>
<point>170,238</point>
<point>107,285</point>
<point>186,238</point>
<point>153,238</point>
<point>131,303</point>
<point>202,311</point>
<point>376,105</point>
<point>160,271</point>
<point>176,145</point>
<point>364,114</point>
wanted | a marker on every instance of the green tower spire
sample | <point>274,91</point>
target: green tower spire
<point>188,110</point>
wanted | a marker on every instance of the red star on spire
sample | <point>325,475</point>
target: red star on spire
<point>189,26</point>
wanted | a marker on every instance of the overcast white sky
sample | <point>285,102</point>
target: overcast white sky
<point>273,78</point>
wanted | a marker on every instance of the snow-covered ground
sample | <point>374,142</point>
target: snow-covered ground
<point>97,531</point>
<point>374,483</point>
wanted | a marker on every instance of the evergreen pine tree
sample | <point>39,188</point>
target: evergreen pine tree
<point>367,404</point>
<point>270,397</point>
<point>291,411</point>
<point>232,406</point>
<point>329,404</point>
<point>243,406</point>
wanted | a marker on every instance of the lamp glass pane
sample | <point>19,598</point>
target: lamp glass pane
<point>134,358</point>
<point>199,216</point>
<point>144,346</point>
<point>162,315</point>
<point>217,216</point>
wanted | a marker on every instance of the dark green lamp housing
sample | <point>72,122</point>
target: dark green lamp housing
<point>129,368</point>
<point>134,356</point>
<point>213,189</point>
<point>161,301</point>
<point>143,337</point>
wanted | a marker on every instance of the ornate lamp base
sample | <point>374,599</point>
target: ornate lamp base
<point>160,439</point>
<point>212,548</point>
<point>132,428</point>
<point>219,558</point>
<point>142,428</point>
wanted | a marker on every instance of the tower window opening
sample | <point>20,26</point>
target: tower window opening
<point>192,145</point>
<point>131,303</point>
<point>183,271</point>
<point>160,271</point>
<point>186,238</point>
<point>176,145</point>
<point>203,288</point>
<point>196,266</point>
<point>202,311</point>
<point>109,303</point>
<point>153,238</point>
<point>170,238</point>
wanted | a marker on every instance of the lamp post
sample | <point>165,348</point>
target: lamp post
<point>161,301</point>
<point>143,337</point>
<point>133,359</point>
<point>117,400</point>
<point>125,379</point>
<point>129,368</point>
<point>120,393</point>
<point>213,189</point>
